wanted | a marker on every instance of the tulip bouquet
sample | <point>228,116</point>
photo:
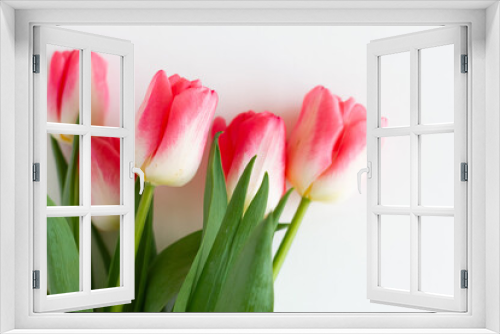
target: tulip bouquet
<point>228,265</point>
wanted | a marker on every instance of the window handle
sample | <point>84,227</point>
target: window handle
<point>368,171</point>
<point>138,171</point>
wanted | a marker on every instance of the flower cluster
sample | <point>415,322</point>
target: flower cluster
<point>250,162</point>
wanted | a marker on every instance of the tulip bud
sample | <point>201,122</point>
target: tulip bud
<point>324,149</point>
<point>172,126</point>
<point>63,90</point>
<point>105,179</point>
<point>250,134</point>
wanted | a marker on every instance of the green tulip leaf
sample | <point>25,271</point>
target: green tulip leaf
<point>114,270</point>
<point>168,271</point>
<point>253,216</point>
<point>281,204</point>
<point>143,259</point>
<point>207,290</point>
<point>61,164</point>
<point>71,190</point>
<point>214,208</point>
<point>63,264</point>
<point>249,283</point>
<point>282,226</point>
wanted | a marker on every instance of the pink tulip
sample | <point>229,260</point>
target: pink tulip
<point>105,179</point>
<point>250,134</point>
<point>172,127</point>
<point>63,89</point>
<point>324,149</point>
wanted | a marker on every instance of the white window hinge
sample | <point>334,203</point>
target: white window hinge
<point>36,279</point>
<point>36,63</point>
<point>464,171</point>
<point>464,64</point>
<point>36,172</point>
<point>464,279</point>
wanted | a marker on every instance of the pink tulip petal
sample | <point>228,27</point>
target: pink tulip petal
<point>180,84</point>
<point>218,126</point>
<point>56,69</point>
<point>339,184</point>
<point>339,179</point>
<point>100,92</point>
<point>105,174</point>
<point>261,134</point>
<point>353,138</point>
<point>63,92</point>
<point>228,140</point>
<point>179,154</point>
<point>152,117</point>
<point>313,138</point>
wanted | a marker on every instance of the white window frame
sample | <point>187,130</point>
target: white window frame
<point>86,44</point>
<point>483,146</point>
<point>413,44</point>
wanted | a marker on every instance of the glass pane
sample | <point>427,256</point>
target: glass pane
<point>395,252</point>
<point>436,255</point>
<point>103,243</point>
<point>395,171</point>
<point>437,169</point>
<point>63,260</point>
<point>105,171</point>
<point>63,84</point>
<point>437,82</point>
<point>106,86</point>
<point>62,159</point>
<point>395,89</point>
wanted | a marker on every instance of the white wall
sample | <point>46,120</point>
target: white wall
<point>492,163</point>
<point>7,158</point>
<point>271,68</point>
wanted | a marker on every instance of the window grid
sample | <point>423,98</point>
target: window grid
<point>86,210</point>
<point>415,209</point>
<point>412,43</point>
<point>85,298</point>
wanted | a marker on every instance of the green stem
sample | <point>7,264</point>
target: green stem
<point>142,213</point>
<point>140,220</point>
<point>287,241</point>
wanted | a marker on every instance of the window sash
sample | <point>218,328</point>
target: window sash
<point>412,43</point>
<point>86,297</point>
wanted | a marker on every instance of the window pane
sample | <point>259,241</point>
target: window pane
<point>437,83</point>
<point>436,255</point>
<point>63,260</point>
<point>395,170</point>
<point>395,252</point>
<point>105,170</point>
<point>63,159</point>
<point>395,88</point>
<point>437,169</point>
<point>63,85</point>
<point>104,242</point>
<point>106,86</point>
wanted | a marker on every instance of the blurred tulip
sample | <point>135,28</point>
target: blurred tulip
<point>250,134</point>
<point>323,152</point>
<point>105,179</point>
<point>63,90</point>
<point>172,126</point>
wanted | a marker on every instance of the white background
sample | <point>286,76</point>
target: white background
<point>271,68</point>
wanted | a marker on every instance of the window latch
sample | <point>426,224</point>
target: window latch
<point>134,170</point>
<point>368,171</point>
